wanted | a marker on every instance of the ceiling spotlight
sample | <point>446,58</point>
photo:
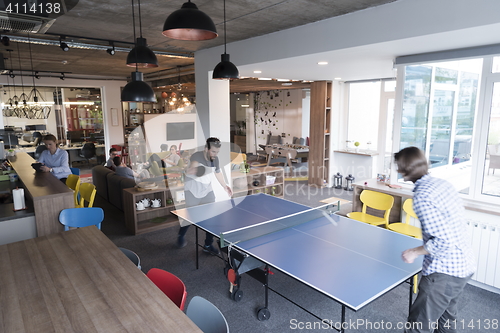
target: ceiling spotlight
<point>63,45</point>
<point>111,50</point>
<point>5,41</point>
<point>62,77</point>
<point>37,76</point>
<point>11,74</point>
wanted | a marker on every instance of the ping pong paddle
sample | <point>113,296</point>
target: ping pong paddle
<point>200,171</point>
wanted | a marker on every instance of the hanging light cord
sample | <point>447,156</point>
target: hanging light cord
<point>12,69</point>
<point>133,23</point>
<point>32,70</point>
<point>21,71</point>
<point>140,22</point>
<point>224,26</point>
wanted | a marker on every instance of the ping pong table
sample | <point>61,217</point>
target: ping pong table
<point>351,262</point>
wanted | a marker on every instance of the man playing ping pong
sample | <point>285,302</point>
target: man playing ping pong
<point>448,259</point>
<point>198,186</point>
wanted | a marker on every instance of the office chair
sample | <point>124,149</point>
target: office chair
<point>375,200</point>
<point>88,151</point>
<point>37,136</point>
<point>39,150</point>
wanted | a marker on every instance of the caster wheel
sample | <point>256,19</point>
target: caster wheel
<point>237,295</point>
<point>263,314</point>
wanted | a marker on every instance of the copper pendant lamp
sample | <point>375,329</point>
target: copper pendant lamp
<point>189,23</point>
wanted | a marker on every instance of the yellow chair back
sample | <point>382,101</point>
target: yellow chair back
<point>73,182</point>
<point>238,158</point>
<point>377,200</point>
<point>87,193</point>
<point>408,209</point>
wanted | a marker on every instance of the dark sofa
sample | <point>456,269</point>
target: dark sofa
<point>110,186</point>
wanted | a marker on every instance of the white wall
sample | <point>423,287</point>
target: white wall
<point>155,126</point>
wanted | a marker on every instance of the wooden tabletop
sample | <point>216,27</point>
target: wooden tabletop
<point>79,281</point>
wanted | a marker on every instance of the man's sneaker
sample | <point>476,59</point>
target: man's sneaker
<point>181,242</point>
<point>210,249</point>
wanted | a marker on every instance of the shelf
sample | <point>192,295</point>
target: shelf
<point>259,174</point>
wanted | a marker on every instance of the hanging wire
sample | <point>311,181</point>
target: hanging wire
<point>224,26</point>
<point>140,21</point>
<point>23,97</point>
<point>135,40</point>
<point>35,98</point>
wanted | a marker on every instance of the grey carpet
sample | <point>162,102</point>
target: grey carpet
<point>157,249</point>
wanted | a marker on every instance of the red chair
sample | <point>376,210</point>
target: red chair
<point>170,284</point>
<point>123,153</point>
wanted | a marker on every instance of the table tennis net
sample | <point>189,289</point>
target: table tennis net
<point>236,236</point>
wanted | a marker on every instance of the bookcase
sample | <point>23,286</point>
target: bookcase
<point>270,181</point>
<point>320,132</point>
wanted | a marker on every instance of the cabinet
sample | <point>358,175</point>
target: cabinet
<point>151,218</point>
<point>319,132</point>
<point>243,182</point>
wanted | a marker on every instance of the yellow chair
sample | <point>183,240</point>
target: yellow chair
<point>405,227</point>
<point>375,200</point>
<point>73,182</point>
<point>87,193</point>
<point>409,230</point>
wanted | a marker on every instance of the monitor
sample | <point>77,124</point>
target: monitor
<point>9,138</point>
<point>180,131</point>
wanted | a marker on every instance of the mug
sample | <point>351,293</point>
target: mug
<point>13,177</point>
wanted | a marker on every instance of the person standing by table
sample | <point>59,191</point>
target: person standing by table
<point>198,186</point>
<point>55,160</point>
<point>448,258</point>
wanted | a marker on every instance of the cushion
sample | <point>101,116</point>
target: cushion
<point>99,179</point>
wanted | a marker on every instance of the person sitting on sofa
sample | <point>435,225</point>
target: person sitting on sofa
<point>173,158</point>
<point>112,154</point>
<point>121,169</point>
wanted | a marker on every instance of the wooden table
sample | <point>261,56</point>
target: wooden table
<point>44,192</point>
<point>79,281</point>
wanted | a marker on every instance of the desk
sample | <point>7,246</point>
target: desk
<point>400,195</point>
<point>79,281</point>
<point>44,192</point>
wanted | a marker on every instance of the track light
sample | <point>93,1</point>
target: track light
<point>37,76</point>
<point>62,77</point>
<point>111,50</point>
<point>63,45</point>
<point>11,74</point>
<point>5,41</point>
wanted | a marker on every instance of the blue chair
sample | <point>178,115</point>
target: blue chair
<point>206,316</point>
<point>81,217</point>
<point>75,171</point>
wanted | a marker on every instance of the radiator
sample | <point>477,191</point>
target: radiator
<point>485,240</point>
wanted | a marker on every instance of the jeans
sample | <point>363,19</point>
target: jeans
<point>435,308</point>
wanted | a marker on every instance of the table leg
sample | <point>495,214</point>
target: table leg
<point>342,319</point>
<point>196,248</point>
<point>411,294</point>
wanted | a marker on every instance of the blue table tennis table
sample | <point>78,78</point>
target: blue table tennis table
<point>351,262</point>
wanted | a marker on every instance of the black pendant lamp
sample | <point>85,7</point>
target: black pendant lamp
<point>137,90</point>
<point>189,23</point>
<point>225,69</point>
<point>141,55</point>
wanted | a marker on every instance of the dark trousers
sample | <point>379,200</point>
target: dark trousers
<point>435,309</point>
<point>191,201</point>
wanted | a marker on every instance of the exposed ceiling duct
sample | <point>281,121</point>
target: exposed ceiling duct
<point>24,23</point>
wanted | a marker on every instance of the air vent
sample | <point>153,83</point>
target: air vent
<point>24,23</point>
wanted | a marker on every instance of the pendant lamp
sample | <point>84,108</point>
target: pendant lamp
<point>225,69</point>
<point>137,90</point>
<point>141,55</point>
<point>189,23</point>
